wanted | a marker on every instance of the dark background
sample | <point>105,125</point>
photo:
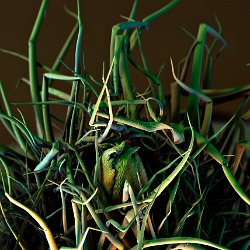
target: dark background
<point>164,39</point>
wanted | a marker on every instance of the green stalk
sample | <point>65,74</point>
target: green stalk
<point>46,113</point>
<point>175,102</point>
<point>188,243</point>
<point>97,219</point>
<point>33,74</point>
<point>126,84</point>
<point>149,19</point>
<point>75,85</point>
<point>193,100</point>
<point>77,223</point>
<point>8,176</point>
<point>196,72</point>
<point>18,136</point>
